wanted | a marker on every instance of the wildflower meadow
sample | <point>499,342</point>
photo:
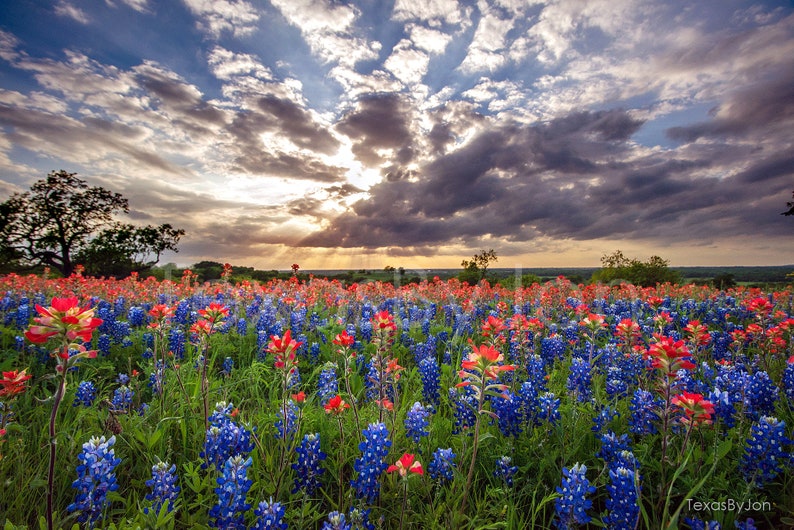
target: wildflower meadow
<point>307,403</point>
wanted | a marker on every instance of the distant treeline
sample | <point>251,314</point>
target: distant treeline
<point>212,270</point>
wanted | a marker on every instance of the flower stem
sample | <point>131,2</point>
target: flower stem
<point>56,403</point>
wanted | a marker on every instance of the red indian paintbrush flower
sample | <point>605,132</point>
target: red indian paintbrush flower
<point>344,339</point>
<point>697,409</point>
<point>669,356</point>
<point>13,383</point>
<point>406,464</point>
<point>64,317</point>
<point>336,405</point>
<point>283,349</point>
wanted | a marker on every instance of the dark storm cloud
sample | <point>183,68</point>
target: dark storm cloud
<point>289,122</point>
<point>91,138</point>
<point>297,124</point>
<point>575,177</point>
<point>379,121</point>
<point>765,105</point>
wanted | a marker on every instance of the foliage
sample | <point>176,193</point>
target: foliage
<point>616,268</point>
<point>684,395</point>
<point>62,221</point>
<point>474,270</point>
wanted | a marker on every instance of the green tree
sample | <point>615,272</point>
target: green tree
<point>616,267</point>
<point>62,218</point>
<point>125,248</point>
<point>474,270</point>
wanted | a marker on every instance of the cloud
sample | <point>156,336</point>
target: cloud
<point>65,9</point>
<point>217,17</point>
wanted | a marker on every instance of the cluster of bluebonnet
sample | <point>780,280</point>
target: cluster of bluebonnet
<point>372,462</point>
<point>442,466</point>
<point>95,478</point>
<point>164,488</point>
<point>505,470</point>
<point>765,455</point>
<point>269,516</point>
<point>308,468</point>
<point>85,394</point>
<point>224,438</point>
<point>571,506</point>
<point>232,490</point>
<point>416,422</point>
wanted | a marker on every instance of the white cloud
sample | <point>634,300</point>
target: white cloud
<point>430,40</point>
<point>224,16</point>
<point>226,64</point>
<point>65,9</point>
<point>431,11</point>
<point>328,30</point>
<point>408,64</point>
<point>141,6</point>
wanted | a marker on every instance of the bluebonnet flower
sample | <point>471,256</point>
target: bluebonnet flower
<point>164,487</point>
<point>123,379</point>
<point>747,524</point>
<point>269,516</point>
<point>416,422</point>
<point>286,429</point>
<point>528,402</point>
<point>122,399</point>
<point>465,404</point>
<point>85,394</point>
<point>233,486</point>
<point>103,344</point>
<point>572,504</point>
<point>760,395</point>
<point>509,411</point>
<point>95,478</point>
<point>611,446</point>
<point>788,382</point>
<point>579,380</point>
<point>724,408</point>
<point>536,372</point>
<point>336,521</point>
<point>372,463</point>
<point>623,506</point>
<point>605,415</point>
<point>764,454</point>
<point>431,379</point>
<point>549,408</point>
<point>228,366</point>
<point>327,384</point>
<point>616,385</point>
<point>136,316</point>
<point>242,327</point>
<point>505,470</point>
<point>176,342</point>
<point>224,438</point>
<point>308,468</point>
<point>552,348</point>
<point>359,519</point>
<point>643,409</point>
<point>442,467</point>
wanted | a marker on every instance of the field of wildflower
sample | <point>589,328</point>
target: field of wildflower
<point>305,403</point>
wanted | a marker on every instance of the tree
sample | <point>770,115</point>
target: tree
<point>474,270</point>
<point>617,267</point>
<point>790,205</point>
<point>125,248</point>
<point>62,220</point>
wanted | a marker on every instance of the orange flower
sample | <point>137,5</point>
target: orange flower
<point>13,383</point>
<point>283,349</point>
<point>300,397</point>
<point>697,409</point>
<point>669,356</point>
<point>214,313</point>
<point>63,317</point>
<point>344,339</point>
<point>384,320</point>
<point>336,405</point>
<point>406,464</point>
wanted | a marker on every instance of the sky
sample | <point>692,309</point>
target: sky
<point>415,133</point>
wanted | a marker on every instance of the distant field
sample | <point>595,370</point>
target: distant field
<point>768,274</point>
